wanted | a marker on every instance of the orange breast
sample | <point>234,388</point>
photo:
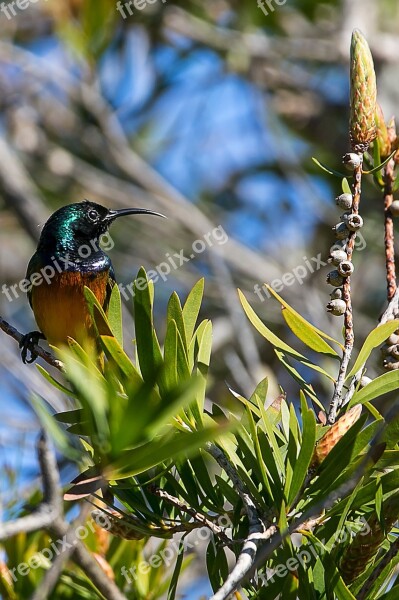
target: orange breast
<point>60,307</point>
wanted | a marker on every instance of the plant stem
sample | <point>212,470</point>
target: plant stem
<point>346,295</point>
<point>389,178</point>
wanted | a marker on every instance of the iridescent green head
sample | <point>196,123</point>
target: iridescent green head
<point>75,225</point>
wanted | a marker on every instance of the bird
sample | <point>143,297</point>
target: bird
<point>68,258</point>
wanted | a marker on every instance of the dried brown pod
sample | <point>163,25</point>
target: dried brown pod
<point>335,433</point>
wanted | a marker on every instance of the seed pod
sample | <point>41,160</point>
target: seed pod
<point>344,201</point>
<point>345,268</point>
<point>335,433</point>
<point>363,94</point>
<point>394,208</point>
<point>390,363</point>
<point>352,160</point>
<point>394,351</point>
<point>341,231</point>
<point>336,307</point>
<point>336,294</point>
<point>382,133</point>
<point>337,256</point>
<point>364,546</point>
<point>393,339</point>
<point>335,279</point>
<point>353,222</point>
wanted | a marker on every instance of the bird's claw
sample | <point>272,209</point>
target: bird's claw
<point>27,344</point>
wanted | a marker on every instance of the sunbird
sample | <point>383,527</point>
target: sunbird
<point>68,258</point>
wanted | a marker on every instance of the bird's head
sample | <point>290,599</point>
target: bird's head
<point>80,223</point>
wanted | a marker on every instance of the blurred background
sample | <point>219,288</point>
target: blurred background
<point>209,111</point>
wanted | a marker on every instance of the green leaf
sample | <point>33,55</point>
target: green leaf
<point>176,571</point>
<point>388,382</point>
<point>170,355</point>
<point>305,331</point>
<point>192,307</point>
<point>148,348</point>
<point>54,382</point>
<point>114,314</point>
<point>380,166</point>
<point>175,313</point>
<point>56,432</point>
<point>375,338</point>
<point>306,452</point>
<point>115,352</point>
<point>157,451</point>
<point>328,169</point>
<point>346,188</point>
<point>274,340</point>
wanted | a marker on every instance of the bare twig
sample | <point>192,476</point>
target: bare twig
<point>197,516</point>
<point>52,576</point>
<point>50,509</point>
<point>18,336</point>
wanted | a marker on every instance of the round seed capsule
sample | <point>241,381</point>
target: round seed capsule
<point>353,222</point>
<point>335,279</point>
<point>345,268</point>
<point>365,381</point>
<point>336,307</point>
<point>395,208</point>
<point>336,294</point>
<point>341,231</point>
<point>352,160</point>
<point>337,256</point>
<point>344,201</point>
<point>393,339</point>
<point>390,363</point>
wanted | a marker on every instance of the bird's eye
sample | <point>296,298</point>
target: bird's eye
<point>93,215</point>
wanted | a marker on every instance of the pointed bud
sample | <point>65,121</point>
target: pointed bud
<point>382,133</point>
<point>363,94</point>
<point>335,433</point>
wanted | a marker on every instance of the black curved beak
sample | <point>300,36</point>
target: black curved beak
<point>123,212</point>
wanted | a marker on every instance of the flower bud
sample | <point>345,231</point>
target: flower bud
<point>363,94</point>
<point>382,133</point>
<point>336,307</point>
<point>335,279</point>
<point>344,201</point>
<point>335,433</point>
<point>345,268</point>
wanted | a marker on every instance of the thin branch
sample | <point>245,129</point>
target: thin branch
<point>50,509</point>
<point>197,516</point>
<point>346,296</point>
<point>389,178</point>
<point>18,336</point>
<point>52,576</point>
